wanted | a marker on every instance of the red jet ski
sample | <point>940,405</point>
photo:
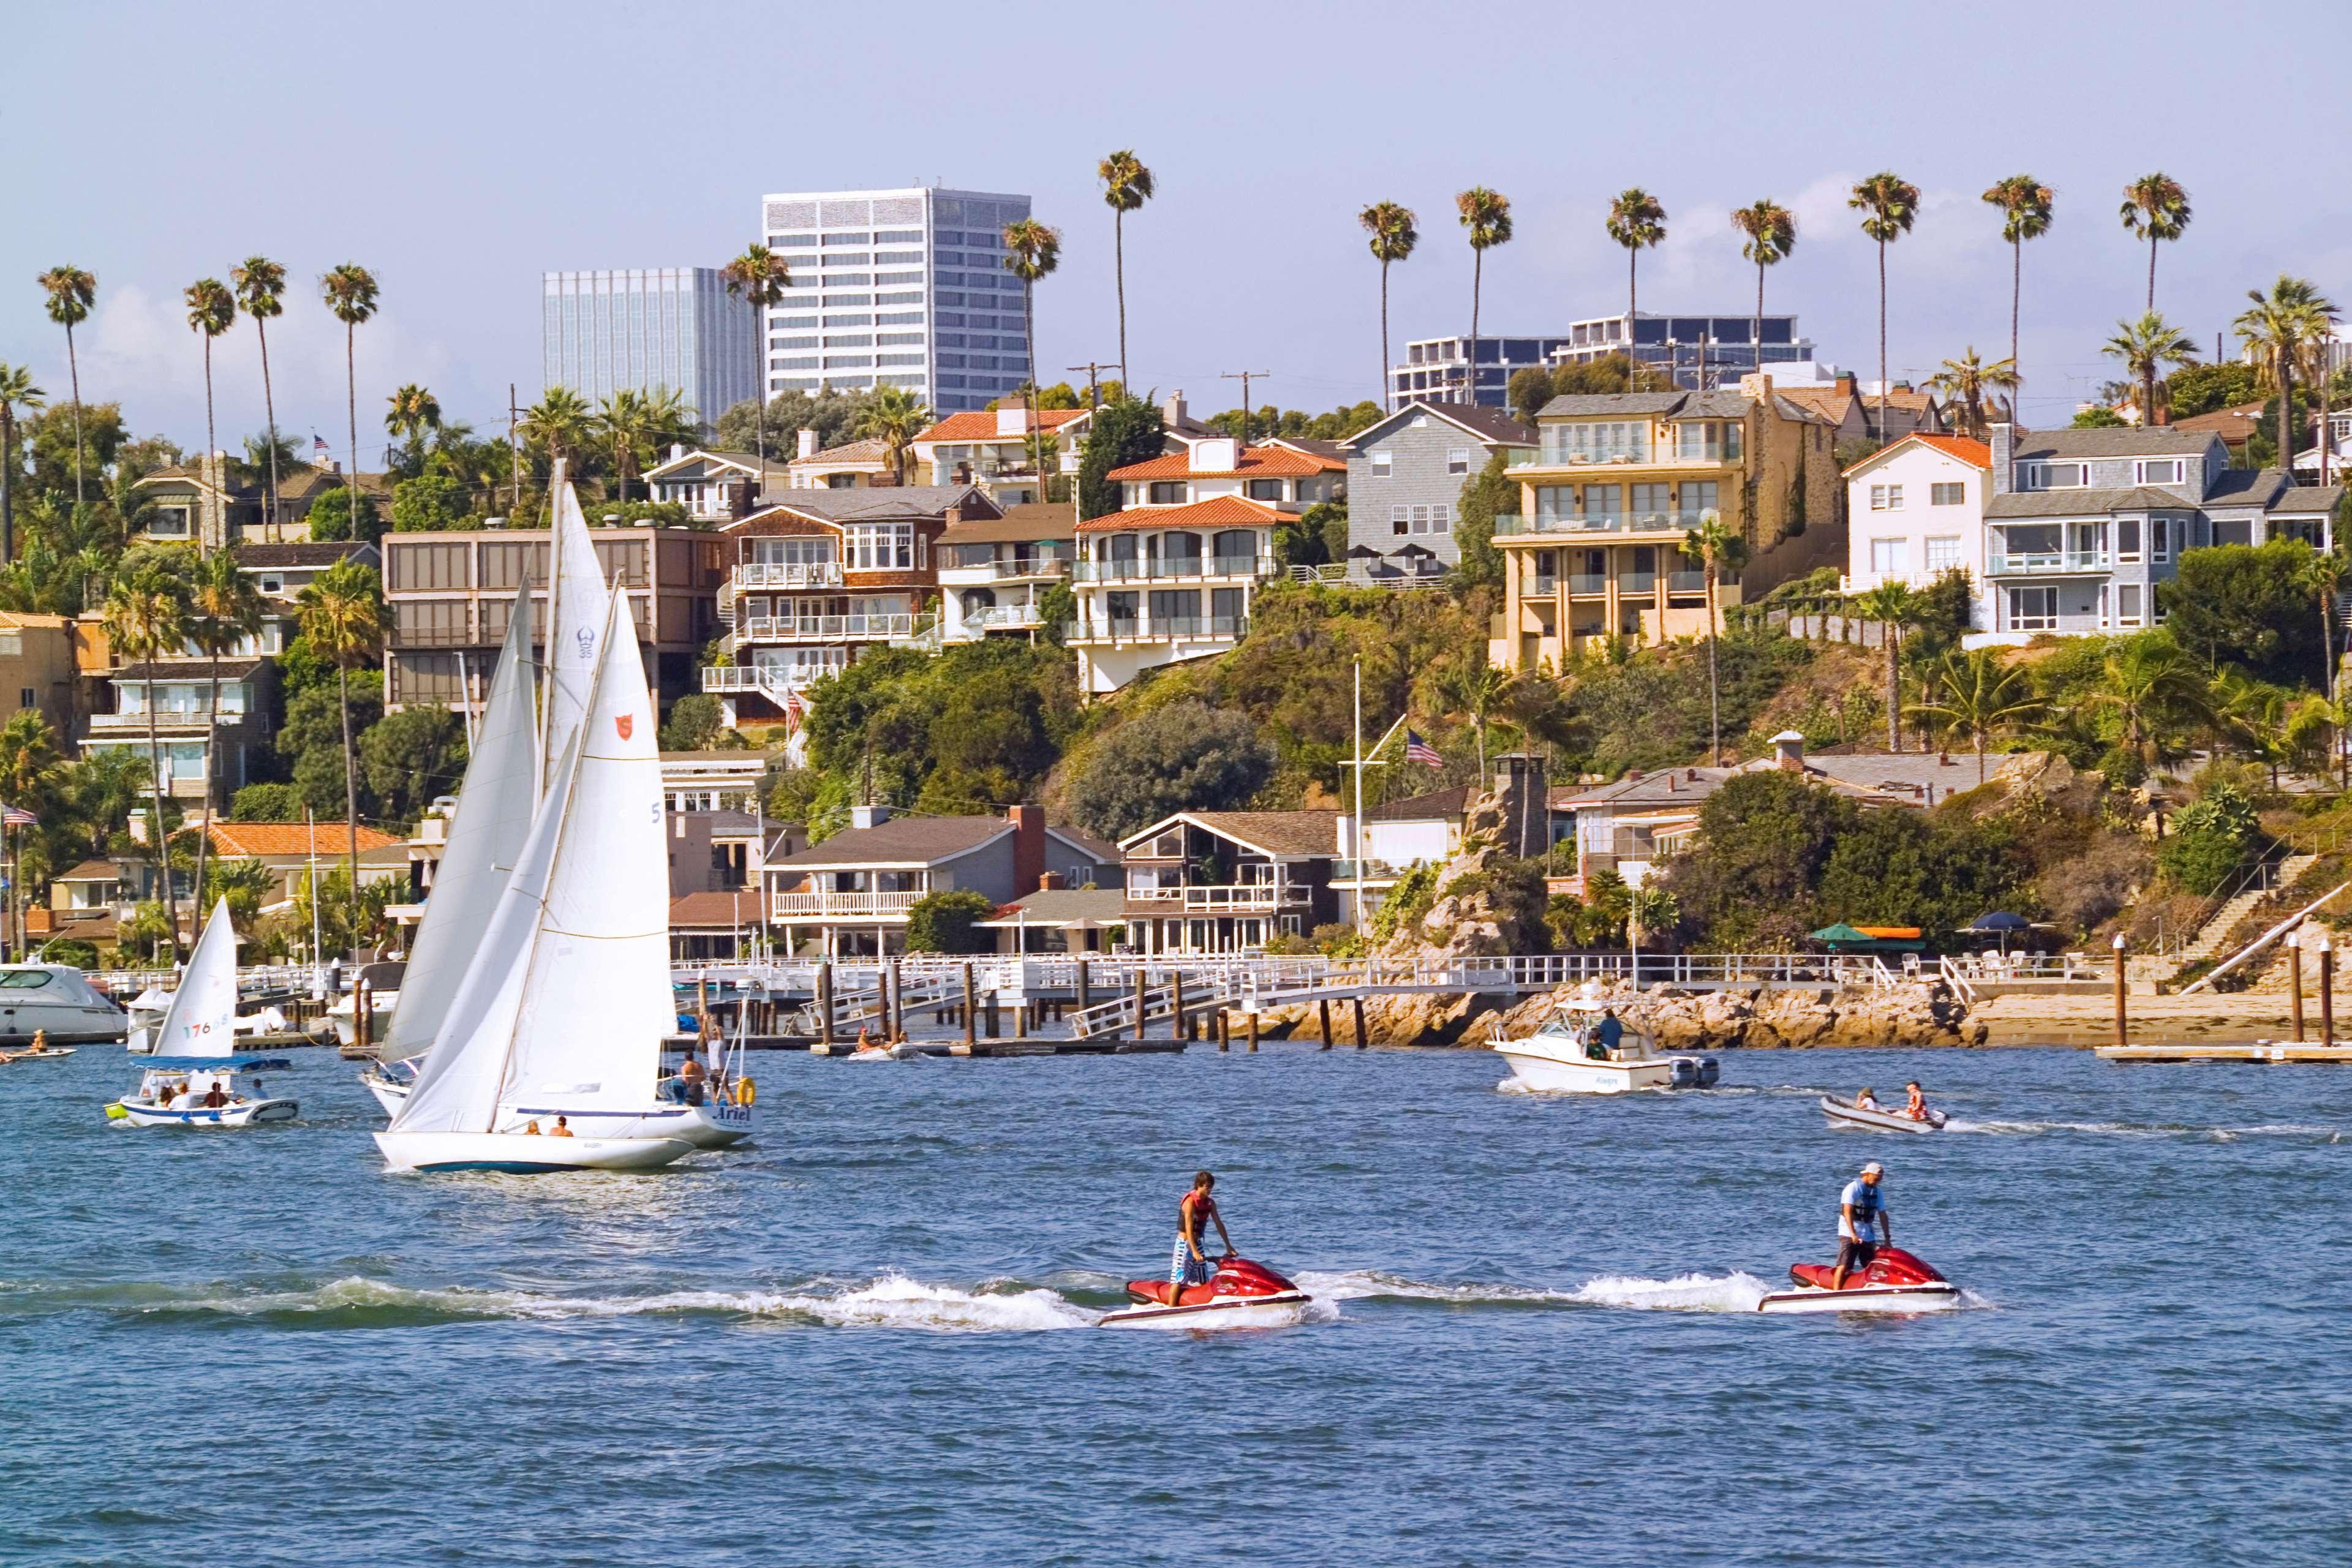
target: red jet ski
<point>1241,1294</point>
<point>1895,1281</point>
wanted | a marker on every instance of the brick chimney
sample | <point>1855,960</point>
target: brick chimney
<point>1788,752</point>
<point>1028,844</point>
<point>2004,460</point>
<point>1049,880</point>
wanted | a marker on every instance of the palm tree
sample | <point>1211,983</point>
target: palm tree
<point>2250,716</point>
<point>2155,208</point>
<point>1893,606</point>
<point>1481,689</point>
<point>1126,185</point>
<point>350,291</point>
<point>1772,231</point>
<point>759,278</point>
<point>1718,549</point>
<point>1975,693</point>
<point>2276,327</point>
<point>1888,204</point>
<point>146,618</point>
<point>1637,222</point>
<point>224,609</point>
<point>559,421</point>
<point>2325,576</point>
<point>1966,379</point>
<point>1394,237</point>
<point>2145,346</point>
<point>1488,216</point>
<point>2319,350</point>
<point>2156,690</point>
<point>895,417</point>
<point>260,285</point>
<point>212,311</point>
<point>16,391</point>
<point>341,617</point>
<point>2025,202</point>
<point>639,424</point>
<point>72,292</point>
<point>1034,251</point>
<point>409,413</point>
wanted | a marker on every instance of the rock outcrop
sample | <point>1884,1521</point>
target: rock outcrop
<point>1918,1012</point>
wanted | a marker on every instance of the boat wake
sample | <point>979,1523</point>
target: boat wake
<point>1733,1292</point>
<point>1738,1291</point>
<point>2147,1130</point>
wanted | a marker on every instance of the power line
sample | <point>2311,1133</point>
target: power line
<point>1244,376</point>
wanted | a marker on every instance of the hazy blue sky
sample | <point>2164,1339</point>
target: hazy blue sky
<point>459,150</point>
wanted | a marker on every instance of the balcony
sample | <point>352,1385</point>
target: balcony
<point>786,575</point>
<point>1637,582</point>
<point>1043,568</point>
<point>1225,899</point>
<point>840,906</point>
<point>1588,582</point>
<point>1679,520</point>
<point>2048,564</point>
<point>1193,567</point>
<point>822,629</point>
<point>434,636</point>
<point>1003,618</point>
<point>166,718</point>
<point>1163,628</point>
<point>767,680</point>
<point>1686,581</point>
<point>1562,457</point>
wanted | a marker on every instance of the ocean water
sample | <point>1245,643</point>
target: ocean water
<point>869,1339</point>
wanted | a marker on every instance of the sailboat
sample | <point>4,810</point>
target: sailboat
<point>549,1054</point>
<point>191,1080</point>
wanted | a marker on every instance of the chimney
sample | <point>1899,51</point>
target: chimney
<point>1846,383</point>
<point>1171,410</point>
<point>676,450</point>
<point>868,816</point>
<point>1013,416</point>
<point>1049,880</point>
<point>1028,844</point>
<point>1788,752</point>
<point>2004,448</point>
<point>1900,386</point>
<point>808,447</point>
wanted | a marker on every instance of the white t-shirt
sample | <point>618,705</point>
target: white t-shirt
<point>1861,1201</point>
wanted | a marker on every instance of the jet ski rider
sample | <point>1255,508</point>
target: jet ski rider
<point>1859,1208</point>
<point>1191,1266</point>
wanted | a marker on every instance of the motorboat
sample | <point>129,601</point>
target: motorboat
<point>181,1097</point>
<point>382,983</point>
<point>1895,1281</point>
<point>191,1080</point>
<point>1845,1113</point>
<point>1240,1295</point>
<point>55,1000</point>
<point>1563,1055</point>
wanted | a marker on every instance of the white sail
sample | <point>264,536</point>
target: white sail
<point>597,1003</point>
<point>578,606</point>
<point>202,1018</point>
<point>495,807</point>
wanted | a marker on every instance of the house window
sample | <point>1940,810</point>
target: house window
<point>2127,603</point>
<point>878,546</point>
<point>1948,495</point>
<point>1167,492</point>
<point>1380,465</point>
<point>2033,609</point>
<point>2057,476</point>
<point>1888,557</point>
<point>273,584</point>
<point>1457,460</point>
<point>1706,440</point>
<point>2127,539</point>
<point>2159,538</point>
<point>170,522</point>
<point>24,697</point>
<point>1265,490</point>
<point>1887,498</point>
<point>1943,551</point>
<point>2158,471</point>
<point>1400,520</point>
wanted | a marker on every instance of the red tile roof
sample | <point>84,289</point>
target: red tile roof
<point>1217,511</point>
<point>1257,462</point>
<point>1976,453</point>
<point>979,425</point>
<point>715,910</point>
<point>328,840</point>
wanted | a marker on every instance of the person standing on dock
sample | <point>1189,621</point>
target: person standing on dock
<point>1190,1265</point>
<point>1860,1207</point>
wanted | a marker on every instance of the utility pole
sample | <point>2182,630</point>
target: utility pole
<point>1093,370</point>
<point>514,449</point>
<point>1244,376</point>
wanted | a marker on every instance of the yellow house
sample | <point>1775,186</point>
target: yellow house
<point>1620,478</point>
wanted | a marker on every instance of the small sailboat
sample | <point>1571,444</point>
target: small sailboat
<point>192,1081</point>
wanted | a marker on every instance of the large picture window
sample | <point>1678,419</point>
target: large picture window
<point>879,546</point>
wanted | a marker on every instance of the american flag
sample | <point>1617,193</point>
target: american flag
<point>17,816</point>
<point>319,447</point>
<point>1417,750</point>
<point>795,708</point>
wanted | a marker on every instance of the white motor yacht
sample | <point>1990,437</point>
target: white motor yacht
<point>1564,1054</point>
<point>54,999</point>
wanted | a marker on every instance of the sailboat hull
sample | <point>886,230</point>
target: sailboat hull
<point>521,1153</point>
<point>704,1126</point>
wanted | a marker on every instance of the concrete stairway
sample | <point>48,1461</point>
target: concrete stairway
<point>2216,931</point>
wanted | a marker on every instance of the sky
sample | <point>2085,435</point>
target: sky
<point>459,151</point>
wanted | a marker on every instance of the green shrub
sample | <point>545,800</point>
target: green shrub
<point>949,923</point>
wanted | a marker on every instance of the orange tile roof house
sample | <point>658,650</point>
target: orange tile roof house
<point>993,448</point>
<point>1915,511</point>
<point>290,848</point>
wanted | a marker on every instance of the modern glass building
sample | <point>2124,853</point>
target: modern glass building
<point>1701,353</point>
<point>654,327</point>
<point>903,288</point>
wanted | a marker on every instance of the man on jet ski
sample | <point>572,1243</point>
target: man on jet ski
<point>1859,1208</point>
<point>1193,1212</point>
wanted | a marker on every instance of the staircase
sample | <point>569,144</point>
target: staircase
<point>2217,928</point>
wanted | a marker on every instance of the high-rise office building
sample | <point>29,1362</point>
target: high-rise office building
<point>645,328</point>
<point>1700,352</point>
<point>903,288</point>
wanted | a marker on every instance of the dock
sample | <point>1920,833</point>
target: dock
<point>2266,1051</point>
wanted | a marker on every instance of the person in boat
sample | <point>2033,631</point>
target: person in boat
<point>214,1097</point>
<point>1610,1033</point>
<point>530,1127</point>
<point>1914,1104</point>
<point>1195,1212</point>
<point>563,1128</point>
<point>1861,1208</point>
<point>1867,1101</point>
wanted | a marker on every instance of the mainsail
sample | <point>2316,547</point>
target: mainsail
<point>578,605</point>
<point>495,807</point>
<point>202,1018</point>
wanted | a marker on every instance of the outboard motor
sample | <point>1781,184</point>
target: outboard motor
<point>1709,1070</point>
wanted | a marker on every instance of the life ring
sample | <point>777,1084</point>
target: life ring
<point>746,1092</point>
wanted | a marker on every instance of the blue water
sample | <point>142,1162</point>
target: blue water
<point>868,1341</point>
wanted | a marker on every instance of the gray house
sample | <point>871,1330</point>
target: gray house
<point>1405,475</point>
<point>2081,525</point>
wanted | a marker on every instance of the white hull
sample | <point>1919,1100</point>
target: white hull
<point>246,1115</point>
<point>709,1126</point>
<point>524,1153</point>
<point>1558,1072</point>
<point>1279,1312</point>
<point>1840,1114</point>
<point>388,1093</point>
<point>379,1018</point>
<point>1934,1298</point>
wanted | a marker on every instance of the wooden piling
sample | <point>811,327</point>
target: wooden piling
<point>1021,1020</point>
<point>1086,992</point>
<point>970,1018</point>
<point>1138,1002</point>
<point>362,1030</point>
<point>1361,1041</point>
<point>824,1003</point>
<point>2122,1029</point>
<point>897,1016</point>
<point>1225,1031</point>
<point>1251,1017</point>
<point>2327,995</point>
<point>1323,1007</point>
<point>1177,1019</point>
<point>2294,979</point>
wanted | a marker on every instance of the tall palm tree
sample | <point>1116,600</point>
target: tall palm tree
<point>212,311</point>
<point>1477,687</point>
<point>622,422</point>
<point>2276,326</point>
<point>1772,231</point>
<point>759,278</point>
<point>1126,185</point>
<point>2025,206</point>
<point>2319,350</point>
<point>72,292</point>
<point>1033,251</point>
<point>1488,216</point>
<point>2145,346</point>
<point>2156,691</point>
<point>1394,237</point>
<point>1966,379</point>
<point>1637,222</point>
<point>1716,548</point>
<point>1888,204</point>
<point>146,618</point>
<point>350,291</point>
<point>225,608</point>
<point>2155,208</point>
<point>341,617</point>
<point>2325,577</point>
<point>1894,607</point>
<point>559,421</point>
<point>260,285</point>
<point>16,391</point>
<point>1976,694</point>
<point>409,413</point>
<point>895,417</point>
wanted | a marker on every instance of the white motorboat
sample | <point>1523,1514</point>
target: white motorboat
<point>191,1080</point>
<point>1563,1055</point>
<point>55,1000</point>
<point>1845,1113</point>
<point>383,984</point>
<point>183,1096</point>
